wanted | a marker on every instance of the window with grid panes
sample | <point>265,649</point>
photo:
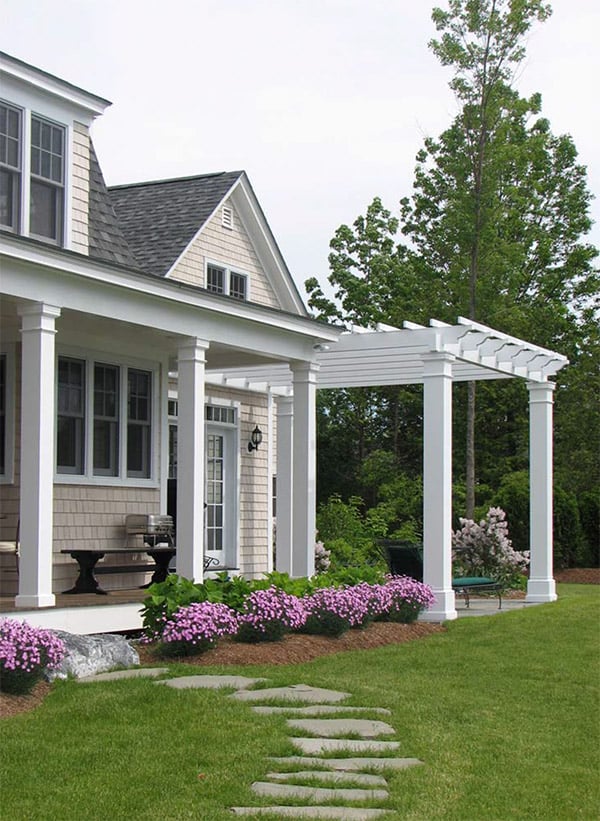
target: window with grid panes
<point>237,286</point>
<point>10,166</point>
<point>139,419</point>
<point>70,423</point>
<point>3,390</point>
<point>47,179</point>
<point>106,420</point>
<point>215,279</point>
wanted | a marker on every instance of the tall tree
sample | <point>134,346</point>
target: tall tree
<point>493,229</point>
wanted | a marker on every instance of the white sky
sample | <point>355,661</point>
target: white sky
<point>323,102</point>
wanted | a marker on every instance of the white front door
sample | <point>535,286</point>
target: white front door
<point>221,514</point>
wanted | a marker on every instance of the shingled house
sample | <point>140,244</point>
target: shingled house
<point>156,357</point>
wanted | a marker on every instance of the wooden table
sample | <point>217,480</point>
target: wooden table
<point>88,558</point>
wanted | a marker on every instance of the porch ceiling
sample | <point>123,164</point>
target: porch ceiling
<point>393,356</point>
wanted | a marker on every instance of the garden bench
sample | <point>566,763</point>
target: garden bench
<point>405,558</point>
<point>87,560</point>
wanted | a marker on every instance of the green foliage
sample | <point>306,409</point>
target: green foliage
<point>350,576</point>
<point>347,534</point>
<point>589,515</point>
<point>164,598</point>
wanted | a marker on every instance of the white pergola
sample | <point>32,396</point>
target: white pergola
<point>435,356</point>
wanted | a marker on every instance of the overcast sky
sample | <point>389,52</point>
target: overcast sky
<point>323,102</point>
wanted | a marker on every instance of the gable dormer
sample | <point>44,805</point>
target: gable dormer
<point>45,154</point>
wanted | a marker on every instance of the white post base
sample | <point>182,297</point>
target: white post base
<point>443,609</point>
<point>541,590</point>
<point>36,601</point>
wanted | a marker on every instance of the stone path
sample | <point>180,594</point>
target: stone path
<point>334,784</point>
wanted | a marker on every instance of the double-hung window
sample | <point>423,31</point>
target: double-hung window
<point>47,180</point>
<point>104,419</point>
<point>10,166</point>
<point>222,280</point>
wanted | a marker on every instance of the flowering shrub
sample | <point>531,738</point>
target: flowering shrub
<point>333,610</point>
<point>194,629</point>
<point>484,549</point>
<point>402,599</point>
<point>24,653</point>
<point>268,614</point>
<point>322,558</point>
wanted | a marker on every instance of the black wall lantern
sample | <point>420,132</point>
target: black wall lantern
<point>255,439</point>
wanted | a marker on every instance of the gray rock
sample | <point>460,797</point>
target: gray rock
<point>347,764</point>
<point>332,727</point>
<point>330,776</point>
<point>209,682</point>
<point>265,788</point>
<point>320,710</point>
<point>295,692</point>
<point>343,813</point>
<point>88,655</point>
<point>117,675</point>
<point>316,746</point>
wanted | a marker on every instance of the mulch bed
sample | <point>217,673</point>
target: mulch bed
<point>294,649</point>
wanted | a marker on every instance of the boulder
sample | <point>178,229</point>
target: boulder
<point>88,655</point>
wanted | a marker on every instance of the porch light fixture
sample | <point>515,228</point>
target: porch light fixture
<point>255,439</point>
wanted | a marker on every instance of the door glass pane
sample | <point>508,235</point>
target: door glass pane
<point>215,496</point>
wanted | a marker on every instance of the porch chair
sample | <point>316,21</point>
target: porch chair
<point>12,547</point>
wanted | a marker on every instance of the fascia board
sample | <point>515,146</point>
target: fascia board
<point>265,245</point>
<point>40,261</point>
<point>52,85</point>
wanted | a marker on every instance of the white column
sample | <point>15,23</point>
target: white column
<point>541,586</point>
<point>285,425</point>
<point>37,455</point>
<point>191,459</point>
<point>304,468</point>
<point>437,485</point>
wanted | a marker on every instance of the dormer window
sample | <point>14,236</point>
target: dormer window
<point>47,179</point>
<point>10,166</point>
<point>222,280</point>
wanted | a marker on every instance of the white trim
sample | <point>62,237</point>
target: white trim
<point>8,477</point>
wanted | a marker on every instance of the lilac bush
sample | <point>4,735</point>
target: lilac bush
<point>322,558</point>
<point>268,614</point>
<point>25,651</point>
<point>484,549</point>
<point>404,598</point>
<point>194,629</point>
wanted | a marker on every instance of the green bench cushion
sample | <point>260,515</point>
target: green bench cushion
<point>472,581</point>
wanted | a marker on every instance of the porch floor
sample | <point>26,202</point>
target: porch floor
<point>132,596</point>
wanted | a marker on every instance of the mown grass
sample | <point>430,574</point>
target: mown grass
<point>503,710</point>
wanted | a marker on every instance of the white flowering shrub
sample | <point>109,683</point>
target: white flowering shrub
<point>322,558</point>
<point>484,549</point>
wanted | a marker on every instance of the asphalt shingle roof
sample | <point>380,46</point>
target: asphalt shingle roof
<point>106,240</point>
<point>158,219</point>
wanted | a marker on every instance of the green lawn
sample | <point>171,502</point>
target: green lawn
<point>503,710</point>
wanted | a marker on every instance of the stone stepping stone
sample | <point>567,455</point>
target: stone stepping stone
<point>210,682</point>
<point>116,675</point>
<point>295,692</point>
<point>347,764</point>
<point>343,813</point>
<point>332,727</point>
<point>316,746</point>
<point>315,794</point>
<point>330,776</point>
<point>320,709</point>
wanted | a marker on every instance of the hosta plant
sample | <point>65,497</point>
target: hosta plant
<point>194,629</point>
<point>267,615</point>
<point>25,652</point>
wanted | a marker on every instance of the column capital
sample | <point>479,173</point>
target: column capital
<point>285,406</point>
<point>437,363</point>
<point>38,316</point>
<point>541,391</point>
<point>305,371</point>
<point>192,349</point>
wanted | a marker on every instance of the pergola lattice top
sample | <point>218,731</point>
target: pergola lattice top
<point>385,355</point>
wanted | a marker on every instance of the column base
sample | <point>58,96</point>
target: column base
<point>541,590</point>
<point>31,602</point>
<point>443,609</point>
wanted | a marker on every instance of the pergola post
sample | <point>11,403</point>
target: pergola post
<point>285,425</point>
<point>190,459</point>
<point>304,468</point>
<point>541,586</point>
<point>437,484</point>
<point>38,330</point>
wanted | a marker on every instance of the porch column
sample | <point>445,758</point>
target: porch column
<point>37,455</point>
<point>285,426</point>
<point>437,484</point>
<point>304,468</point>
<point>541,586</point>
<point>190,459</point>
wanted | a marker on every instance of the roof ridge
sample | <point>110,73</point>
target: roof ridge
<point>168,180</point>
